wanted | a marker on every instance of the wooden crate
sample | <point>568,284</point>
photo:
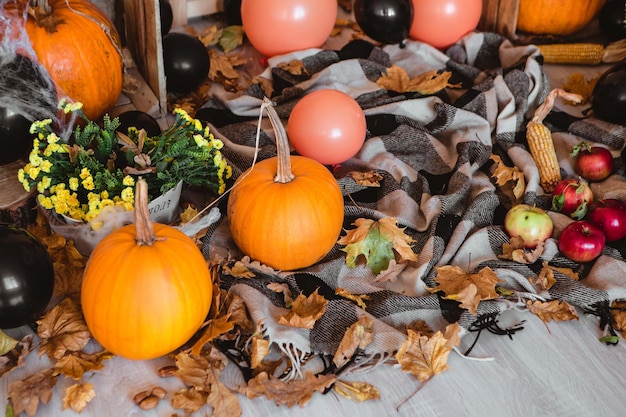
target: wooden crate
<point>499,16</point>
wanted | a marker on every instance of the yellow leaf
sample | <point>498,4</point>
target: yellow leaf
<point>188,214</point>
<point>358,336</point>
<point>215,328</point>
<point>424,356</point>
<point>366,179</point>
<point>239,270</point>
<point>358,299</point>
<point>77,396</point>
<point>260,348</point>
<point>189,400</point>
<point>356,391</point>
<point>75,364</point>
<point>516,251</point>
<point>618,312</point>
<point>284,289</point>
<point>431,82</point>
<point>466,287</point>
<point>556,310</point>
<point>295,67</point>
<point>396,79</point>
<point>504,174</point>
<point>305,311</point>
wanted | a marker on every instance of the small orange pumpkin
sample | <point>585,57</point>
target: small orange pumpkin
<point>79,46</point>
<point>285,211</point>
<point>556,17</point>
<point>146,287</point>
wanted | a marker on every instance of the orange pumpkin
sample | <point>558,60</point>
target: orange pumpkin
<point>146,287</point>
<point>556,17</point>
<point>285,211</point>
<point>79,46</point>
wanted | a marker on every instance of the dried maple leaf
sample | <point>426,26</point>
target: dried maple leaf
<point>75,364</point>
<point>356,391</point>
<point>424,356</point>
<point>556,310</point>
<point>366,179</point>
<point>259,349</point>
<point>62,329</point>
<point>77,396</point>
<point>189,214</point>
<point>545,279</point>
<point>420,326</point>
<point>466,287</point>
<point>223,401</point>
<point>7,343</point>
<point>210,35</point>
<point>504,174</point>
<point>15,357</point>
<point>223,66</point>
<point>266,85</point>
<point>289,393</point>
<point>358,299</point>
<point>189,400</point>
<point>515,251</point>
<point>376,241</point>
<point>427,83</point>
<point>294,67</point>
<point>238,270</point>
<point>215,328</point>
<point>358,336</point>
<point>305,311</point>
<point>284,289</point>
<point>25,395</point>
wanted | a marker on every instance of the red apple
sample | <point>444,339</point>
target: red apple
<point>572,197</point>
<point>593,163</point>
<point>530,223</point>
<point>610,216</point>
<point>581,241</point>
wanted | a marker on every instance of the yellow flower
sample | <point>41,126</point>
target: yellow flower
<point>128,181</point>
<point>70,107</point>
<point>104,195</point>
<point>52,138</point>
<point>197,125</point>
<point>39,125</point>
<point>44,201</point>
<point>200,141</point>
<point>33,172</point>
<point>128,195</point>
<point>35,159</point>
<point>97,225</point>
<point>229,171</point>
<point>61,207</point>
<point>217,159</point>
<point>73,183</point>
<point>44,184</point>
<point>216,143</point>
<point>84,173</point>
<point>46,166</point>
<point>52,148</point>
<point>88,183</point>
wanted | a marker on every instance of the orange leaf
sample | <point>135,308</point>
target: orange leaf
<point>62,329</point>
<point>358,336</point>
<point>424,356</point>
<point>290,393</point>
<point>77,396</point>
<point>516,251</point>
<point>305,311</point>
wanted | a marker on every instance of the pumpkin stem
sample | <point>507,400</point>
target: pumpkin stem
<point>143,223</point>
<point>283,171</point>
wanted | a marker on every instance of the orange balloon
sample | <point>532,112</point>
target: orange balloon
<point>328,126</point>
<point>441,23</point>
<point>276,27</point>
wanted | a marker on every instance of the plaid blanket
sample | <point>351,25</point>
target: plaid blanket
<point>433,153</point>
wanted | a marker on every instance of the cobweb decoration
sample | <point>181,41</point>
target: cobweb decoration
<point>25,85</point>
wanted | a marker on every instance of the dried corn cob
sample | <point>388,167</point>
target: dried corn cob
<point>540,142</point>
<point>572,53</point>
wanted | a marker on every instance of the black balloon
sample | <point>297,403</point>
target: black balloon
<point>385,21</point>
<point>612,20</point>
<point>186,62</point>
<point>232,12</point>
<point>608,99</point>
<point>167,16</point>
<point>26,277</point>
<point>15,138</point>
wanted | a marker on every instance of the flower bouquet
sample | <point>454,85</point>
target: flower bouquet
<point>85,184</point>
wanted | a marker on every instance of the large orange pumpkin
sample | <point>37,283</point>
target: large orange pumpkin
<point>146,287</point>
<point>285,211</point>
<point>79,46</point>
<point>556,17</point>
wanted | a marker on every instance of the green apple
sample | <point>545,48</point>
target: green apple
<point>530,223</point>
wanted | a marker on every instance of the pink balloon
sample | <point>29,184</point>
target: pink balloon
<point>276,27</point>
<point>328,126</point>
<point>441,23</point>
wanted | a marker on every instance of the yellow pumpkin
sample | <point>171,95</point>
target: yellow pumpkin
<point>146,288</point>
<point>285,211</point>
<point>556,17</point>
